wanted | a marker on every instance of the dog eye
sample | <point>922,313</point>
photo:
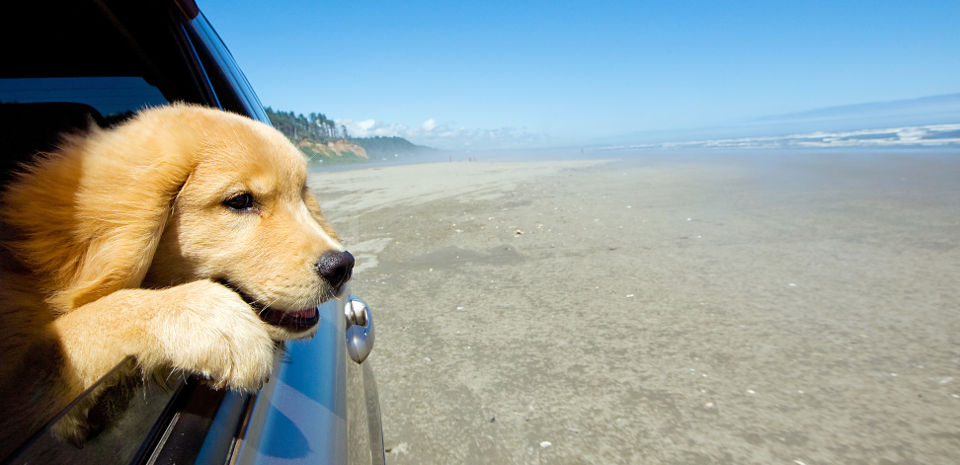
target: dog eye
<point>240,202</point>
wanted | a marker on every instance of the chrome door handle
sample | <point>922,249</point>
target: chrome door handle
<point>359,321</point>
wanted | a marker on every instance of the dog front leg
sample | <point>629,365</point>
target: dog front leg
<point>200,328</point>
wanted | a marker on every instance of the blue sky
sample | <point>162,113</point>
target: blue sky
<point>541,73</point>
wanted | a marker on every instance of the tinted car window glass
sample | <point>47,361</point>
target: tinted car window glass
<point>122,436</point>
<point>109,95</point>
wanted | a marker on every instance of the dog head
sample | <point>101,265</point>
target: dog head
<point>244,217</point>
<point>182,193</point>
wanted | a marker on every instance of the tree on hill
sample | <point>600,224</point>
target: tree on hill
<point>297,127</point>
<point>316,128</point>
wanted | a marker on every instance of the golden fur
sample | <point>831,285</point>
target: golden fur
<point>120,244</point>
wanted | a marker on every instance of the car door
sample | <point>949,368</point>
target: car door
<point>123,57</point>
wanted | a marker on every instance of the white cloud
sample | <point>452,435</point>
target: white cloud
<point>366,125</point>
<point>445,135</point>
<point>370,128</point>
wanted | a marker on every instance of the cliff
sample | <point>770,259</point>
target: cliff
<point>332,150</point>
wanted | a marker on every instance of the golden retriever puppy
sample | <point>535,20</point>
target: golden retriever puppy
<point>186,238</point>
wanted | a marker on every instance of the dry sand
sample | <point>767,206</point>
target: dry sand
<point>728,309</point>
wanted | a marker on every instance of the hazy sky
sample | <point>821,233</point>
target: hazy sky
<point>524,72</point>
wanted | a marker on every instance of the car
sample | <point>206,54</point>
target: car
<point>69,63</point>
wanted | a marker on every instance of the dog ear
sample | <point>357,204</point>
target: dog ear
<point>88,217</point>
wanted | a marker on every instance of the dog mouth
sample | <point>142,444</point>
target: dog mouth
<point>295,321</point>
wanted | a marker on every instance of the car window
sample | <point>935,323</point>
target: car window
<point>131,417</point>
<point>109,95</point>
<point>34,112</point>
<point>114,65</point>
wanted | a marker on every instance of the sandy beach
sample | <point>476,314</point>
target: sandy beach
<point>730,309</point>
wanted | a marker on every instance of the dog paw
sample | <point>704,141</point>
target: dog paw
<point>74,429</point>
<point>209,330</point>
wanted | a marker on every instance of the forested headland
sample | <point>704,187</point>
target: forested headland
<point>321,139</point>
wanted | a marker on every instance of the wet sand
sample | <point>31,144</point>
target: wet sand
<point>799,309</point>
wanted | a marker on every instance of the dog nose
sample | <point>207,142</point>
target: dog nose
<point>336,267</point>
